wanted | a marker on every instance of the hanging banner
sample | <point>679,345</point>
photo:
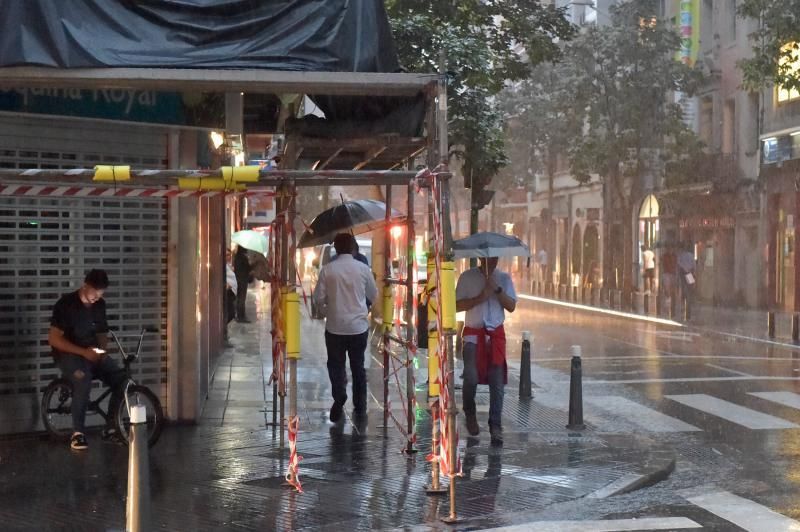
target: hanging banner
<point>690,46</point>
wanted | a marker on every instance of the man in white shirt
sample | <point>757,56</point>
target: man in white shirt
<point>485,294</point>
<point>649,267</point>
<point>541,261</point>
<point>341,293</point>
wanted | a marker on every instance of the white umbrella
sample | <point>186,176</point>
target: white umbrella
<point>483,245</point>
<point>252,240</point>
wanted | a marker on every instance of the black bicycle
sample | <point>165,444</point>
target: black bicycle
<point>57,401</point>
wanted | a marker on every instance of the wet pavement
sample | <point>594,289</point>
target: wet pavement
<point>728,405</point>
<point>226,473</point>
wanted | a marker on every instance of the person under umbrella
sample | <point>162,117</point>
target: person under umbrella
<point>242,269</point>
<point>485,294</point>
<point>341,293</point>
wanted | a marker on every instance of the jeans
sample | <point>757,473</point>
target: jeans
<point>496,386</point>
<point>339,347</point>
<point>80,372</point>
<point>687,293</point>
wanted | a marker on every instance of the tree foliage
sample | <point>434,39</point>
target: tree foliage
<point>626,75</point>
<point>541,120</point>
<point>486,44</point>
<point>608,106</point>
<point>776,44</point>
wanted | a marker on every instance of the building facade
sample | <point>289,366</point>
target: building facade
<point>149,246</point>
<point>780,170</point>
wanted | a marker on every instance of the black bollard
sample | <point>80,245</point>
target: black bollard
<point>576,391</point>
<point>771,324</point>
<point>525,367</point>
<point>796,328</point>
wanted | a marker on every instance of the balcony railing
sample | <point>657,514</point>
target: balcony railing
<point>716,168</point>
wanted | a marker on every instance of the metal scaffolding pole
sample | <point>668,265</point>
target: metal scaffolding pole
<point>410,301</point>
<point>387,252</point>
<point>447,246</point>
<point>77,174</point>
<point>284,269</point>
<point>292,272</point>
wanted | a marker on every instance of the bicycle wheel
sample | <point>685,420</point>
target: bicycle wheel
<point>140,395</point>
<point>57,409</point>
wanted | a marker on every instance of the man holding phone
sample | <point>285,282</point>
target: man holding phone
<point>78,337</point>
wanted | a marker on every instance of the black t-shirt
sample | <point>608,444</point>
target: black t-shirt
<point>81,324</point>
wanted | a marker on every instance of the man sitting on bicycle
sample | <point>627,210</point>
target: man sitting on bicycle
<point>78,337</point>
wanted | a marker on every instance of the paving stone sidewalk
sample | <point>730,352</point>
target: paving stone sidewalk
<point>226,473</point>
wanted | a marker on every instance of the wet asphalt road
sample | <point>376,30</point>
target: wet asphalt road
<point>730,408</point>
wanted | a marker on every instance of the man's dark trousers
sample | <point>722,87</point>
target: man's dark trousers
<point>80,372</point>
<point>241,298</point>
<point>339,347</point>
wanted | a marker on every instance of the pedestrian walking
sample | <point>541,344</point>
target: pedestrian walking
<point>669,271</point>
<point>231,286</point>
<point>686,271</point>
<point>485,294</point>
<point>648,269</point>
<point>541,262</point>
<point>242,269</point>
<point>343,289</point>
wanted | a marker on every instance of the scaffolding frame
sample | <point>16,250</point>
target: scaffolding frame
<point>16,182</point>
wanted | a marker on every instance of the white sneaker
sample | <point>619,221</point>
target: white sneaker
<point>78,442</point>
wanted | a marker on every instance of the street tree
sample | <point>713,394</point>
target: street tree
<point>626,79</point>
<point>486,44</point>
<point>776,44</point>
<point>541,122</point>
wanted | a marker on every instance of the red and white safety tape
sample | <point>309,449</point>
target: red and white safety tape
<point>104,192</point>
<point>292,476</point>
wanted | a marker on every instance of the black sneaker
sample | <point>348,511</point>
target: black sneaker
<point>78,442</point>
<point>110,434</point>
<point>472,425</point>
<point>336,413</point>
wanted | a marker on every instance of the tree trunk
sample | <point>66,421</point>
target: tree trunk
<point>628,252</point>
<point>608,263</point>
<point>473,222</point>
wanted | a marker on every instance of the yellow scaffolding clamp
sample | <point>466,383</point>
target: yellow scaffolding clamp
<point>208,184</point>
<point>433,363</point>
<point>388,307</point>
<point>448,301</point>
<point>448,270</point>
<point>291,312</point>
<point>112,173</point>
<point>241,174</point>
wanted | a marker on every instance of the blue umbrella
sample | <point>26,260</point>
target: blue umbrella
<point>484,245</point>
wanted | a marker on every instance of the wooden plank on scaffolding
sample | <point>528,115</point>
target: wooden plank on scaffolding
<point>370,156</point>
<point>219,80</point>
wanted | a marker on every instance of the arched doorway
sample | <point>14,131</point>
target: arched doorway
<point>649,222</point>
<point>591,255</point>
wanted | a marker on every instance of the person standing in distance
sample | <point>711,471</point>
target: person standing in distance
<point>485,293</point>
<point>343,289</point>
<point>78,338</point>
<point>242,271</point>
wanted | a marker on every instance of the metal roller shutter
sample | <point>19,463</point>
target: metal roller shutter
<point>47,244</point>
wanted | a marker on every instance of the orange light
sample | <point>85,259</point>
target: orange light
<point>397,231</point>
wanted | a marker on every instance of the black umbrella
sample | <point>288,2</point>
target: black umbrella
<point>356,217</point>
